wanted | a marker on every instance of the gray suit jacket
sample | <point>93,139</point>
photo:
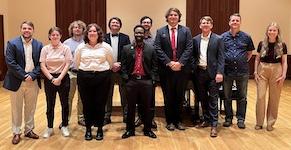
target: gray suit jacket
<point>215,54</point>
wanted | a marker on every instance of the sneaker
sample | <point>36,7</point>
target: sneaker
<point>48,132</point>
<point>65,131</point>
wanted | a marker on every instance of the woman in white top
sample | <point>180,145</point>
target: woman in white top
<point>55,60</point>
<point>93,60</point>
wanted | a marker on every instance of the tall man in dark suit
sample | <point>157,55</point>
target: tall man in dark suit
<point>208,52</point>
<point>139,70</point>
<point>173,44</point>
<point>22,79</point>
<point>117,40</point>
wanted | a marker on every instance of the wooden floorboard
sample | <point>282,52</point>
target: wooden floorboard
<point>193,138</point>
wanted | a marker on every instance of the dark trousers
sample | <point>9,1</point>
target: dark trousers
<point>207,93</point>
<point>50,91</point>
<point>94,90</point>
<point>108,109</point>
<point>139,92</point>
<point>242,86</point>
<point>173,84</point>
<point>152,107</point>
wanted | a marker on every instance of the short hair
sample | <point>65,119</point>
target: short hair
<point>236,15</point>
<point>52,29</point>
<point>207,18</point>
<point>175,10</point>
<point>145,17</point>
<point>114,18</point>
<point>28,23</point>
<point>79,23</point>
<point>138,26</point>
<point>99,32</point>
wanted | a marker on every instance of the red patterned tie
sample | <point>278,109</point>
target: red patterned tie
<point>173,44</point>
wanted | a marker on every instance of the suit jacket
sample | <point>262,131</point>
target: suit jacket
<point>215,54</point>
<point>149,61</point>
<point>15,60</point>
<point>164,48</point>
<point>123,40</point>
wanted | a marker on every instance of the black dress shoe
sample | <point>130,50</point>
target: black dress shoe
<point>128,134</point>
<point>241,125</point>
<point>138,122</point>
<point>227,123</point>
<point>99,135</point>
<point>150,134</point>
<point>107,121</point>
<point>170,127</point>
<point>88,135</point>
<point>204,124</point>
<point>180,126</point>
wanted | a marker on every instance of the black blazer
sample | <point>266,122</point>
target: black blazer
<point>123,40</point>
<point>149,61</point>
<point>215,54</point>
<point>15,60</point>
<point>164,49</point>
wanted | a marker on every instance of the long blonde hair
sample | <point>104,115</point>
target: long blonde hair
<point>278,49</point>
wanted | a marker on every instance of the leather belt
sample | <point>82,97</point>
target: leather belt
<point>139,77</point>
<point>202,67</point>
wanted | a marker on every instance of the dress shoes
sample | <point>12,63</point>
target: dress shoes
<point>227,123</point>
<point>128,134</point>
<point>241,125</point>
<point>99,135</point>
<point>180,126</point>
<point>88,136</point>
<point>16,139</point>
<point>32,135</point>
<point>150,134</point>
<point>138,122</point>
<point>213,132</point>
<point>170,127</point>
<point>106,121</point>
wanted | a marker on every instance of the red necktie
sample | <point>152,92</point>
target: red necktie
<point>173,44</point>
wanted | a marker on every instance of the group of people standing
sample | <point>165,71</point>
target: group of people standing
<point>93,62</point>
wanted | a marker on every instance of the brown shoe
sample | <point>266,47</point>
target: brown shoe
<point>16,139</point>
<point>32,135</point>
<point>213,132</point>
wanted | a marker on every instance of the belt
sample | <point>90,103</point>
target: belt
<point>92,71</point>
<point>139,77</point>
<point>202,67</point>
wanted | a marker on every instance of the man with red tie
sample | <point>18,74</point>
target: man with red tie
<point>173,45</point>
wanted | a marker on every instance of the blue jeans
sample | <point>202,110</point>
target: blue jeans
<point>241,85</point>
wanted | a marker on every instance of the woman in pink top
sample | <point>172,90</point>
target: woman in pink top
<point>55,61</point>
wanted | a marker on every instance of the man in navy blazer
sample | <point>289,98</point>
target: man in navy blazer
<point>23,79</point>
<point>208,64</point>
<point>117,40</point>
<point>173,44</point>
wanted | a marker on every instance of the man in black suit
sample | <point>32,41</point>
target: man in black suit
<point>117,40</point>
<point>173,45</point>
<point>208,52</point>
<point>139,71</point>
<point>23,80</point>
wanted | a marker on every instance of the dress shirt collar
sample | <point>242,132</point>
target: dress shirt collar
<point>207,37</point>
<point>24,42</point>
<point>170,27</point>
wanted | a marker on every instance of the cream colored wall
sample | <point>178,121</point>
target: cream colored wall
<point>256,15</point>
<point>40,12</point>
<point>4,12</point>
<point>130,12</point>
